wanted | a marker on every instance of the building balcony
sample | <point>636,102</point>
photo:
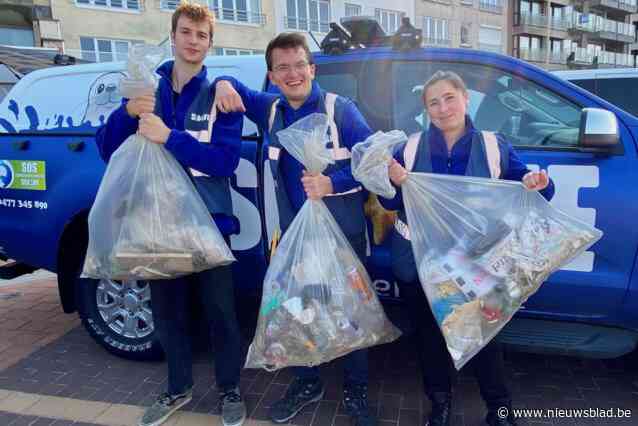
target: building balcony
<point>615,60</point>
<point>533,19</point>
<point>533,54</point>
<point>623,6</point>
<point>49,30</point>
<point>559,23</point>
<point>607,29</point>
<point>534,24</point>
<point>558,57</point>
<point>582,23</point>
<point>581,56</point>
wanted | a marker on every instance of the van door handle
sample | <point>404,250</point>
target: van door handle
<point>75,146</point>
<point>20,145</point>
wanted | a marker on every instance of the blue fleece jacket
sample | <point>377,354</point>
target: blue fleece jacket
<point>353,130</point>
<point>455,162</point>
<point>220,158</point>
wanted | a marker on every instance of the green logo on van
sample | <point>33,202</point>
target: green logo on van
<point>19,174</point>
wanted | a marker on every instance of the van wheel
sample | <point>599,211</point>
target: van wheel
<point>117,314</point>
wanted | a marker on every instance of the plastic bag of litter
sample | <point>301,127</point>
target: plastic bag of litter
<point>318,302</point>
<point>148,220</point>
<point>370,161</point>
<point>482,247</point>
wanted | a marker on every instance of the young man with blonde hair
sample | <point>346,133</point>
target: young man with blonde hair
<point>180,115</point>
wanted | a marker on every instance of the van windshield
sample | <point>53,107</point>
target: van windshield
<point>523,111</point>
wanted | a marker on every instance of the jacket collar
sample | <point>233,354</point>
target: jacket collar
<point>166,71</point>
<point>437,141</point>
<point>310,103</point>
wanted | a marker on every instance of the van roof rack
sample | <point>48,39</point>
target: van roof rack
<point>360,32</point>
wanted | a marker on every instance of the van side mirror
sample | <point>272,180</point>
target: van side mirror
<point>598,129</point>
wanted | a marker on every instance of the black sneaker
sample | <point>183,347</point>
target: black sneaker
<point>300,393</point>
<point>441,414</point>
<point>355,402</point>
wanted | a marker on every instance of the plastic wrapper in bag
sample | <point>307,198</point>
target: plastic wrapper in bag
<point>482,248</point>
<point>148,221</point>
<point>370,161</point>
<point>143,59</point>
<point>318,302</point>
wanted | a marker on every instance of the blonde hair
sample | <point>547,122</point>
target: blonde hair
<point>449,76</point>
<point>195,12</point>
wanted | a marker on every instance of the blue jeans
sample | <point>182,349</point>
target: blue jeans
<point>170,301</point>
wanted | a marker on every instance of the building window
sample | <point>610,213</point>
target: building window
<point>353,9</point>
<point>313,15</point>
<point>495,6</point>
<point>436,31</point>
<point>390,20</point>
<point>104,50</point>
<point>111,4</point>
<point>246,11</point>
<point>169,4</point>
<point>231,51</point>
<point>530,48</point>
<point>490,39</point>
<point>12,36</point>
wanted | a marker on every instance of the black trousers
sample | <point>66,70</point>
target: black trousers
<point>436,363</point>
<point>171,308</point>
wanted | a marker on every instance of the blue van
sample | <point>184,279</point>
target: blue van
<point>50,171</point>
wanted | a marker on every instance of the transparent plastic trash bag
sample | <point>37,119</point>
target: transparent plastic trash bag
<point>318,302</point>
<point>482,247</point>
<point>148,221</point>
<point>370,161</point>
<point>143,59</point>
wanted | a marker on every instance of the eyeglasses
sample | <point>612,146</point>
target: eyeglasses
<point>285,68</point>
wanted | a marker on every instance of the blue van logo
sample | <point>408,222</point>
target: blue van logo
<point>6,174</point>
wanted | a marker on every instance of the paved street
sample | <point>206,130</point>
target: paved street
<point>52,373</point>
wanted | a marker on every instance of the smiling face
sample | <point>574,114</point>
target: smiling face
<point>292,73</point>
<point>446,106</point>
<point>192,40</point>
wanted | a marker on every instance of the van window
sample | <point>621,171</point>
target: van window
<point>525,113</point>
<point>360,81</point>
<point>588,84</point>
<point>622,92</point>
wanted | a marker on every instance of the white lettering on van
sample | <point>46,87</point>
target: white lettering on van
<point>568,180</point>
<point>244,209</point>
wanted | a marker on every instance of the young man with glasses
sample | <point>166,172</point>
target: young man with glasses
<point>178,116</point>
<point>291,69</point>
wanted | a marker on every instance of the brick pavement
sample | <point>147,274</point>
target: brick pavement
<point>30,317</point>
<point>49,361</point>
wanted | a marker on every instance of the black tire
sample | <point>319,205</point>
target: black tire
<point>143,348</point>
